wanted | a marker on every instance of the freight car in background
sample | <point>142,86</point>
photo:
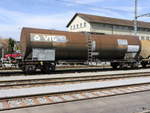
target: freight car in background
<point>145,52</point>
<point>42,49</point>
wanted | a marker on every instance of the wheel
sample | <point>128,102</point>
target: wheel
<point>123,66</point>
<point>114,65</point>
<point>53,67</point>
<point>134,65</point>
<point>29,69</point>
<point>144,64</point>
<point>45,69</point>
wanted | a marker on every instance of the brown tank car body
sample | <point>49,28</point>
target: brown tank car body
<point>145,49</point>
<point>74,45</point>
<point>116,46</point>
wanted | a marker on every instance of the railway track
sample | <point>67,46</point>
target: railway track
<point>64,70</point>
<point>69,67</point>
<point>45,99</point>
<point>28,92</point>
<point>31,82</point>
<point>58,71</point>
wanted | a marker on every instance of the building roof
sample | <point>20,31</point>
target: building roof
<point>108,20</point>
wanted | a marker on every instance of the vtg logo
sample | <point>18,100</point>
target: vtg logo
<point>44,38</point>
<point>48,38</point>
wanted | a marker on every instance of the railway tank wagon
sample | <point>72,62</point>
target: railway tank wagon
<point>145,52</point>
<point>43,48</point>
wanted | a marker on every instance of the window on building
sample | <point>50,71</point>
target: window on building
<point>114,27</point>
<point>121,27</point>
<point>117,27</point>
<point>147,37</point>
<point>130,28</point>
<point>77,26</point>
<point>100,25</point>
<point>142,38</point>
<point>84,24</point>
<point>142,29</point>
<point>103,25</point>
<point>126,28</point>
<point>80,25</point>
<point>108,25</point>
<point>74,27</point>
<point>146,29</point>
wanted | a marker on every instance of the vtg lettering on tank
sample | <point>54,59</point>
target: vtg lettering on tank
<point>47,38</point>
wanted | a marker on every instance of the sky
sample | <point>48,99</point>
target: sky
<point>55,14</point>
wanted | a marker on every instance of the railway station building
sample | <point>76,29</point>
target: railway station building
<point>106,25</point>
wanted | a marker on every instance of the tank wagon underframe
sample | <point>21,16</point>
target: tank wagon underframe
<point>31,66</point>
<point>43,49</point>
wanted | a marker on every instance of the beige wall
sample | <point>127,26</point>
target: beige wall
<point>79,25</point>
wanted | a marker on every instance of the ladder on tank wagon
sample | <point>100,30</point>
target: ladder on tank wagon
<point>91,57</point>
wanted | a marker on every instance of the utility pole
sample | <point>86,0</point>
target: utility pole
<point>135,18</point>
